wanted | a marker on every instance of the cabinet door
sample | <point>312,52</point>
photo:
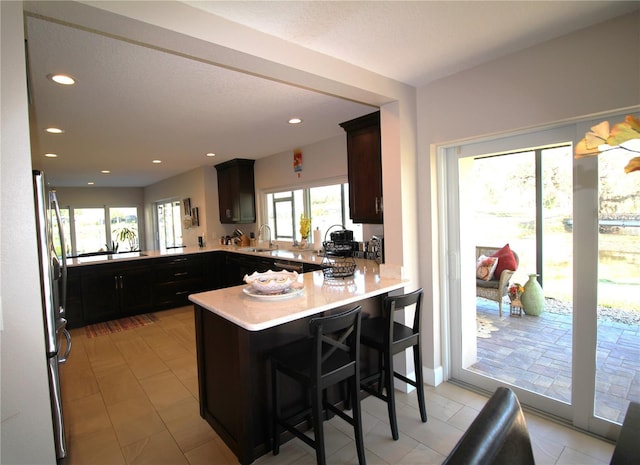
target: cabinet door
<point>236,191</point>
<point>238,265</point>
<point>215,270</point>
<point>365,169</point>
<point>73,307</point>
<point>135,290</point>
<point>100,296</point>
<point>110,292</point>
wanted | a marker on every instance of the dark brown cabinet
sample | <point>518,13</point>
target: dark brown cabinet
<point>73,305</point>
<point>176,277</point>
<point>107,291</point>
<point>239,265</point>
<point>365,168</point>
<point>236,191</point>
<point>115,291</point>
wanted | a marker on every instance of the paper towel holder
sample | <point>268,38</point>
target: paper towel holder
<point>317,240</point>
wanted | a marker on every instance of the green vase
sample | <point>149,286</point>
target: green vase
<point>533,297</point>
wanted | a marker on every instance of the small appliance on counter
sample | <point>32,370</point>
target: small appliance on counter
<point>376,249</point>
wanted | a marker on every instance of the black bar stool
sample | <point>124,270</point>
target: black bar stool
<point>329,356</point>
<point>388,338</point>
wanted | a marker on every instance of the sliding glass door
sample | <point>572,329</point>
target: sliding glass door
<point>569,359</point>
<point>618,324</point>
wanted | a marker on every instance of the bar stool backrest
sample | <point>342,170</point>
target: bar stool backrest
<point>392,304</point>
<point>336,347</point>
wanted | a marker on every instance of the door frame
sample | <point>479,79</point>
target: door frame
<point>453,248</point>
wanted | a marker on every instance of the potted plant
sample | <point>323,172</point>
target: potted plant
<point>126,234</point>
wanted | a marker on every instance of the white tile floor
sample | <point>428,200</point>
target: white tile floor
<point>131,398</point>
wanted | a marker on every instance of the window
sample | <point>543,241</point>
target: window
<point>98,229</point>
<point>327,206</point>
<point>66,230</point>
<point>124,228</point>
<point>91,234</point>
<point>169,215</point>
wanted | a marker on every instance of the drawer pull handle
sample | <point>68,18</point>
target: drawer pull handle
<point>289,266</point>
<point>182,292</point>
<point>183,273</point>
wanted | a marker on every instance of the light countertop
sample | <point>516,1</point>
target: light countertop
<point>258,313</point>
<point>300,255</point>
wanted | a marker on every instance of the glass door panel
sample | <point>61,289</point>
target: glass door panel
<point>169,217</point>
<point>618,329</point>
<point>530,211</point>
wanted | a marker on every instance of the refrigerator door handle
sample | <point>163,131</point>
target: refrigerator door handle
<point>63,251</point>
<point>67,336</point>
<point>61,325</point>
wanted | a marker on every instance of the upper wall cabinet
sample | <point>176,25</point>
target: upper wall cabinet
<point>365,168</point>
<point>236,191</point>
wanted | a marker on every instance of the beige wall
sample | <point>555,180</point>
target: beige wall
<point>323,160</point>
<point>99,196</point>
<point>590,71</point>
<point>27,432</point>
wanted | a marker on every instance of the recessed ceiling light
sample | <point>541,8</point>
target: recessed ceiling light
<point>63,79</point>
<point>90,183</point>
<point>105,171</point>
<point>51,155</point>
<point>156,161</point>
<point>295,121</point>
<point>54,130</point>
<point>211,154</point>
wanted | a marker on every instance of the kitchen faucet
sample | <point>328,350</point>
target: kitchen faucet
<point>262,226</point>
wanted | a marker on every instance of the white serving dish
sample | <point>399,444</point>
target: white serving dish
<point>271,282</point>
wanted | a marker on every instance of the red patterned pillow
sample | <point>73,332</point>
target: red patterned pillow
<point>485,267</point>
<point>506,261</point>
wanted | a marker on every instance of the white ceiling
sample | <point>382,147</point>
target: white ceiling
<point>133,104</point>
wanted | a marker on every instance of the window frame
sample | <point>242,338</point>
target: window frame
<point>267,218</point>
<point>72,250</point>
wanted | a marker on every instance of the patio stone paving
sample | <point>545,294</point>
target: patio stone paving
<point>534,352</point>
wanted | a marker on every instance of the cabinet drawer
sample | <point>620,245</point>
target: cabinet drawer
<point>176,292</point>
<point>177,273</point>
<point>179,269</point>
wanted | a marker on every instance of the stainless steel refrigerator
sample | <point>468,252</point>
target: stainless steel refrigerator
<point>53,283</point>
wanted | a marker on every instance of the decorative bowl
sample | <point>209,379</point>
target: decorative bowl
<point>271,282</point>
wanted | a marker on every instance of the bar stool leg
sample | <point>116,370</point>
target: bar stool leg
<point>357,420</point>
<point>391,398</point>
<point>381,367</point>
<point>417,361</point>
<point>318,432</point>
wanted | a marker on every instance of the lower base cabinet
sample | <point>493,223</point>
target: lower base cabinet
<point>100,292</point>
<point>108,291</point>
<point>177,277</point>
<point>115,291</point>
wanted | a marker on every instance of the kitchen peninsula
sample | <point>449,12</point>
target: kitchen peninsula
<point>235,333</point>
